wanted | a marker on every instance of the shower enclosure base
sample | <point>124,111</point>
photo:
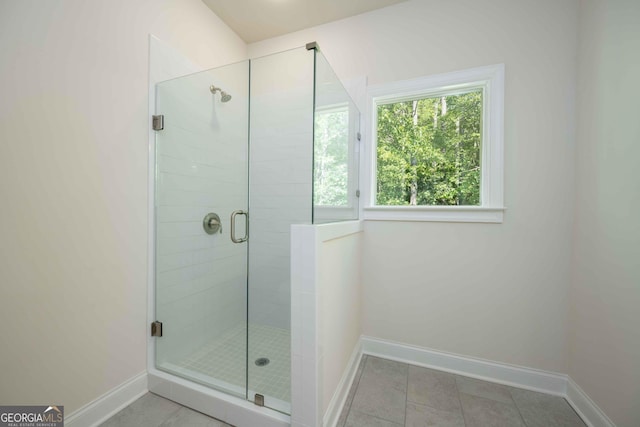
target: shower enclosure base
<point>227,408</point>
<point>220,364</point>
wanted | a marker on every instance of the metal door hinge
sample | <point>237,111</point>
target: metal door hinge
<point>258,399</point>
<point>156,329</point>
<point>157,123</point>
<point>357,193</point>
<point>359,136</point>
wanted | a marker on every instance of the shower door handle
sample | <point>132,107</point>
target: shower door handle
<point>233,226</point>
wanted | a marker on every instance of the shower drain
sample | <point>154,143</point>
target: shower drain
<point>262,361</point>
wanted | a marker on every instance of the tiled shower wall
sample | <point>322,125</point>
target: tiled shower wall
<point>281,167</point>
<point>201,168</point>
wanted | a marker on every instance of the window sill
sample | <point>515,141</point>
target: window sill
<point>434,213</point>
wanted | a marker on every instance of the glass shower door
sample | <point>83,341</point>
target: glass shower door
<point>280,171</point>
<point>200,272</point>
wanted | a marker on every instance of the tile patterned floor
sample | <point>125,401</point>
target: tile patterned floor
<point>392,394</point>
<point>154,411</point>
<point>224,359</point>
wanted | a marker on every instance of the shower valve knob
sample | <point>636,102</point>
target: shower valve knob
<point>211,223</point>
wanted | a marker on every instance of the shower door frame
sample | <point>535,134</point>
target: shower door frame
<point>228,408</point>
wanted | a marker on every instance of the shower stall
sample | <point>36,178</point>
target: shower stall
<point>242,153</point>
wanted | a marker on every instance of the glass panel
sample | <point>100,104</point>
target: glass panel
<point>201,278</point>
<point>336,148</point>
<point>280,178</point>
<point>428,150</point>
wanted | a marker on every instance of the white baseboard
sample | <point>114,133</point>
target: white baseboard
<point>585,407</point>
<point>109,403</point>
<point>342,392</point>
<point>502,373</point>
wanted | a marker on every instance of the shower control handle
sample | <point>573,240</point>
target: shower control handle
<point>211,223</point>
<point>234,214</point>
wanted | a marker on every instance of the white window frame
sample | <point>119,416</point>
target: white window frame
<point>491,80</point>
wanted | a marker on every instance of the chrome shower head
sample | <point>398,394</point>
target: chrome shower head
<point>224,96</point>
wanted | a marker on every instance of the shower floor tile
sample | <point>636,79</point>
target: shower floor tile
<point>224,360</point>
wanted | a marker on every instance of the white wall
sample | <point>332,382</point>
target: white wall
<point>340,294</point>
<point>491,291</point>
<point>73,180</point>
<point>604,357</point>
<point>325,317</point>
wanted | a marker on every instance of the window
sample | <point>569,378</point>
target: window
<point>331,156</point>
<point>335,162</point>
<point>437,148</point>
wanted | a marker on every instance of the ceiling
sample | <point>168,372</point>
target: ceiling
<point>255,20</point>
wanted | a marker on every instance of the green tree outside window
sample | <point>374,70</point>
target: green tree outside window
<point>428,151</point>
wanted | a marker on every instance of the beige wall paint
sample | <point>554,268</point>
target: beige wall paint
<point>497,292</point>
<point>73,181</point>
<point>604,356</point>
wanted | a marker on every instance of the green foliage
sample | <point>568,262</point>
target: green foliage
<point>429,151</point>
